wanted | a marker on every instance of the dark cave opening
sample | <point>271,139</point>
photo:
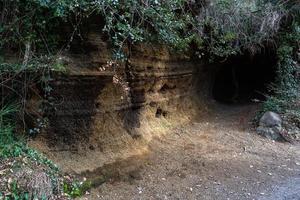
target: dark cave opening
<point>242,79</point>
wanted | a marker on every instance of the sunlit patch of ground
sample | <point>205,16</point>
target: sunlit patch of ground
<point>215,157</point>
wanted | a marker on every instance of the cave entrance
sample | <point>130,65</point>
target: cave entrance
<point>242,79</point>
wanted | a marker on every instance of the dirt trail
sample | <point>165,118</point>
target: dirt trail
<point>217,157</point>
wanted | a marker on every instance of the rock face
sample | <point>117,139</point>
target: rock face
<point>270,126</point>
<point>99,104</point>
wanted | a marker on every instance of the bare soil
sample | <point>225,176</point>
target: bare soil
<point>218,156</point>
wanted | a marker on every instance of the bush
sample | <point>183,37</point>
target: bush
<point>8,145</point>
<point>287,86</point>
<point>231,27</point>
<point>76,189</point>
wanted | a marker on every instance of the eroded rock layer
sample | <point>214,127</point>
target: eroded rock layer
<point>101,105</point>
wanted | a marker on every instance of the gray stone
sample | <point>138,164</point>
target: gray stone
<point>273,133</point>
<point>270,119</point>
<point>270,126</point>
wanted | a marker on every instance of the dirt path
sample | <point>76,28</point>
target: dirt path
<point>217,157</point>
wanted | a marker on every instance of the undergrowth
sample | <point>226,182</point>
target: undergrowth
<point>217,29</point>
<point>286,88</point>
<point>75,188</point>
<point>13,147</point>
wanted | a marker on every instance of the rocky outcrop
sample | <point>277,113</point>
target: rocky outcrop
<point>100,104</point>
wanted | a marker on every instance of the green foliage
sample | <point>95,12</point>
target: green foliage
<point>32,25</point>
<point>133,21</point>
<point>16,193</point>
<point>16,148</point>
<point>76,189</point>
<point>6,132</point>
<point>230,27</point>
<point>220,29</point>
<point>286,89</point>
<point>11,146</point>
<point>31,21</point>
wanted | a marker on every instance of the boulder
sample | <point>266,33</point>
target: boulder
<point>270,119</point>
<point>270,126</point>
<point>271,133</point>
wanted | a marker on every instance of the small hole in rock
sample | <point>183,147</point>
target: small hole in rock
<point>164,88</point>
<point>164,113</point>
<point>152,104</point>
<point>159,112</point>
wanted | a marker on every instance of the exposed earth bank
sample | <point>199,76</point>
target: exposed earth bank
<point>216,157</point>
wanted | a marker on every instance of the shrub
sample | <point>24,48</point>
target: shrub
<point>286,89</point>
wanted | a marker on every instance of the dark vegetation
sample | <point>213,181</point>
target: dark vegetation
<point>221,31</point>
